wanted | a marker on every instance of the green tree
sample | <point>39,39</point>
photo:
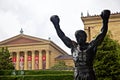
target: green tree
<point>107,60</point>
<point>61,66</point>
<point>5,60</point>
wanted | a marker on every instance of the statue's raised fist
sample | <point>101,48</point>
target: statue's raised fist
<point>55,19</point>
<point>105,14</point>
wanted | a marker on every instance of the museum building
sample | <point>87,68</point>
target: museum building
<point>32,53</point>
<point>92,26</point>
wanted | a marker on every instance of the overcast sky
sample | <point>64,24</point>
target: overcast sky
<point>33,16</point>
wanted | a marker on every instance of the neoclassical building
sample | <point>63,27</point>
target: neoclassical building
<point>92,25</point>
<point>32,53</point>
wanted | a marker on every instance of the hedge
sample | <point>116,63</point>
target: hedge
<point>37,75</point>
<point>35,72</point>
<point>47,72</point>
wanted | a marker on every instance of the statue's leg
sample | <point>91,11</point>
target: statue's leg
<point>75,74</point>
<point>89,75</point>
<point>92,75</point>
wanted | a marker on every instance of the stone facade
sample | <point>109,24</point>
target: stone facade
<point>32,53</point>
<point>92,26</point>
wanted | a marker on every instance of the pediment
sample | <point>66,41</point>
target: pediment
<point>22,39</point>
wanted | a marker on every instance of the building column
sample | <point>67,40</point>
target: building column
<point>47,59</point>
<point>33,60</point>
<point>18,60</point>
<point>40,60</point>
<point>25,60</point>
<point>11,54</point>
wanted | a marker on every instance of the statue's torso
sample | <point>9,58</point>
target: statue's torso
<point>79,57</point>
<point>83,60</point>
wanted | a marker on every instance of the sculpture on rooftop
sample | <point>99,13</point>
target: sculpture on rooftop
<point>83,53</point>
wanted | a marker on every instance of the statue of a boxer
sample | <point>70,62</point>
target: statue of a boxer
<point>83,53</point>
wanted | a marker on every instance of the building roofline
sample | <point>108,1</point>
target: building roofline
<point>96,15</point>
<point>35,38</point>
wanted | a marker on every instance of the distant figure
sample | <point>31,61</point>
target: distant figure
<point>83,53</point>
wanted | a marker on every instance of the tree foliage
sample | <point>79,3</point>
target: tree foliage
<point>61,66</point>
<point>107,60</point>
<point>5,60</point>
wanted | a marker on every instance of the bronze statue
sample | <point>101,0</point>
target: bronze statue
<point>83,53</point>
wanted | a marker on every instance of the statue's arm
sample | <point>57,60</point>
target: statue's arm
<point>67,41</point>
<point>105,18</point>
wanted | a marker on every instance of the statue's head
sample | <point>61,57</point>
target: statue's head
<point>80,36</point>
